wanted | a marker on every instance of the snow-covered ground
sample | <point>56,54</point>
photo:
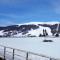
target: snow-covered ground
<point>35,45</point>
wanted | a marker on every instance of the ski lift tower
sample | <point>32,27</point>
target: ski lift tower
<point>57,34</point>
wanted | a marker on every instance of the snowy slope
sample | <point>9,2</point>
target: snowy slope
<point>1,32</point>
<point>35,32</point>
<point>29,29</point>
<point>39,31</point>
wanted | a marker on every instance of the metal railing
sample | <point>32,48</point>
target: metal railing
<point>17,54</point>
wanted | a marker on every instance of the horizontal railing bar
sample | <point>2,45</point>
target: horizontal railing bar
<point>30,52</point>
<point>15,54</point>
<point>43,55</point>
<point>20,56</point>
<point>14,49</point>
<point>9,52</point>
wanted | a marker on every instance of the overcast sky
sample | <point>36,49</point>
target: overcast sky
<point>22,11</point>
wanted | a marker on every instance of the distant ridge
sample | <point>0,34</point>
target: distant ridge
<point>50,22</point>
<point>35,29</point>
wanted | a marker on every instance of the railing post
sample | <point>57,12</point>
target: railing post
<point>13,53</point>
<point>4,52</point>
<point>27,56</point>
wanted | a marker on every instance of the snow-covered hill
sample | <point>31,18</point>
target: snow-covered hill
<point>31,29</point>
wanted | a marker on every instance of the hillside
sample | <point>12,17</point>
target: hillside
<point>31,29</point>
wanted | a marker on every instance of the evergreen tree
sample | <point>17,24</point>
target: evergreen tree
<point>46,33</point>
<point>43,32</point>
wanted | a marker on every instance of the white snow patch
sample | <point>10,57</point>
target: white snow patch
<point>1,32</point>
<point>18,35</point>
<point>39,31</point>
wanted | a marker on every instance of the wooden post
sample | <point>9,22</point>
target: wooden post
<point>27,56</point>
<point>4,52</point>
<point>13,53</point>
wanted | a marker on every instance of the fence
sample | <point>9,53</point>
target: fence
<point>16,54</point>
